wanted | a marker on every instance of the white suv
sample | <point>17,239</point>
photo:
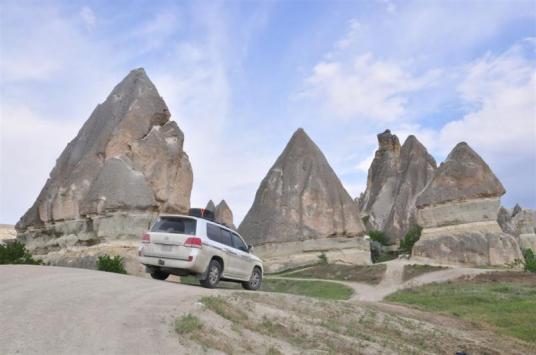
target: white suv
<point>187,245</point>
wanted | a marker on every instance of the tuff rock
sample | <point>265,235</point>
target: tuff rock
<point>395,178</point>
<point>458,212</point>
<point>125,165</point>
<point>301,209</point>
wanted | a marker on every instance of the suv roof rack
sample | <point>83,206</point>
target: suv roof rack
<point>201,213</point>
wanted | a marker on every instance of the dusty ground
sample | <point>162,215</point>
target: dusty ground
<point>54,310</point>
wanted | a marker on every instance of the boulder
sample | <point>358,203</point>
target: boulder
<point>302,208</point>
<point>458,212</point>
<point>125,165</point>
<point>395,178</point>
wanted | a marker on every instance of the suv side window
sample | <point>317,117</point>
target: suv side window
<point>226,237</point>
<point>239,244</point>
<point>214,233</point>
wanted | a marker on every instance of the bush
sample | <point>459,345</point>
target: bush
<point>411,237</point>
<point>109,264</point>
<point>530,260</point>
<point>16,253</point>
<point>187,324</point>
<point>323,258</point>
<point>378,236</point>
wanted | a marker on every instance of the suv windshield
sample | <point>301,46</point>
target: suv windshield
<point>178,225</point>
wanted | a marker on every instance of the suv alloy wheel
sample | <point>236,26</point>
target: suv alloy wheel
<point>254,281</point>
<point>213,275</point>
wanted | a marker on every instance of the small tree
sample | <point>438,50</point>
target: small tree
<point>530,260</point>
<point>378,236</point>
<point>411,237</point>
<point>109,264</point>
<point>16,253</point>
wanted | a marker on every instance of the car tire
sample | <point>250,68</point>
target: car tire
<point>213,274</point>
<point>159,275</point>
<point>255,280</point>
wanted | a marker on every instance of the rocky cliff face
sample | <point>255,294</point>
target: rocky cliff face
<point>395,178</point>
<point>224,215</point>
<point>301,206</point>
<point>126,163</point>
<point>458,211</point>
<point>521,223</point>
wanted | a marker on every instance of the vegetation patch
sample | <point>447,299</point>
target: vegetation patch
<point>378,236</point>
<point>530,260</point>
<point>317,289</point>
<point>411,237</point>
<point>187,324</point>
<point>222,308</point>
<point>109,264</point>
<point>411,271</point>
<point>507,306</point>
<point>16,253</point>
<point>371,274</point>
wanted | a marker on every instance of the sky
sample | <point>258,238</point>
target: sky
<point>240,77</point>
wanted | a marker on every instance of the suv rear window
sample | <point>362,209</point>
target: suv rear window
<point>177,225</point>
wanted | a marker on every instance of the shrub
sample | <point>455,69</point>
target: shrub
<point>323,258</point>
<point>109,264</point>
<point>378,236</point>
<point>411,237</point>
<point>187,324</point>
<point>530,260</point>
<point>16,253</point>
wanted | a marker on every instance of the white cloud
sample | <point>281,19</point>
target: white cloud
<point>88,17</point>
<point>367,88</point>
<point>504,88</point>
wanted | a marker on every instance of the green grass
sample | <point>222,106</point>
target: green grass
<point>317,289</point>
<point>510,307</point>
<point>411,271</point>
<point>371,274</point>
<point>187,324</point>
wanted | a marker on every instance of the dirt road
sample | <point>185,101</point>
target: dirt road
<point>54,310</point>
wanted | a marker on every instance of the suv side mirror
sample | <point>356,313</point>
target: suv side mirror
<point>250,248</point>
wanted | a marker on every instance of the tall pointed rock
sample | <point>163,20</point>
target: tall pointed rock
<point>458,211</point>
<point>126,160</point>
<point>395,178</point>
<point>223,214</point>
<point>301,206</point>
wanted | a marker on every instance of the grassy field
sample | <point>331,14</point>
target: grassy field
<point>411,271</point>
<point>506,301</point>
<point>317,289</point>
<point>371,274</point>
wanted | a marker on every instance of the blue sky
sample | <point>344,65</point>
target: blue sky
<point>241,76</point>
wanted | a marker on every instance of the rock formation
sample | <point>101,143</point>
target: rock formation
<point>395,178</point>
<point>458,212</point>
<point>125,165</point>
<point>211,206</point>
<point>224,215</point>
<point>302,209</point>
<point>520,223</point>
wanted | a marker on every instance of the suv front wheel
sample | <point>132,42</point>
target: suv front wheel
<point>213,275</point>
<point>254,281</point>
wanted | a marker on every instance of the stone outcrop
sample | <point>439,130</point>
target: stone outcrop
<point>395,178</point>
<point>521,223</point>
<point>224,215</point>
<point>458,212</point>
<point>211,206</point>
<point>126,164</point>
<point>301,209</point>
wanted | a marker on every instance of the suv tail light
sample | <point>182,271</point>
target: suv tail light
<point>193,242</point>
<point>146,238</point>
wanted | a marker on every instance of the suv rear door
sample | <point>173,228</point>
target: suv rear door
<point>168,235</point>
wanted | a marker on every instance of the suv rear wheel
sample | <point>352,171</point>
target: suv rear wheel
<point>213,274</point>
<point>254,281</point>
<point>159,275</point>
